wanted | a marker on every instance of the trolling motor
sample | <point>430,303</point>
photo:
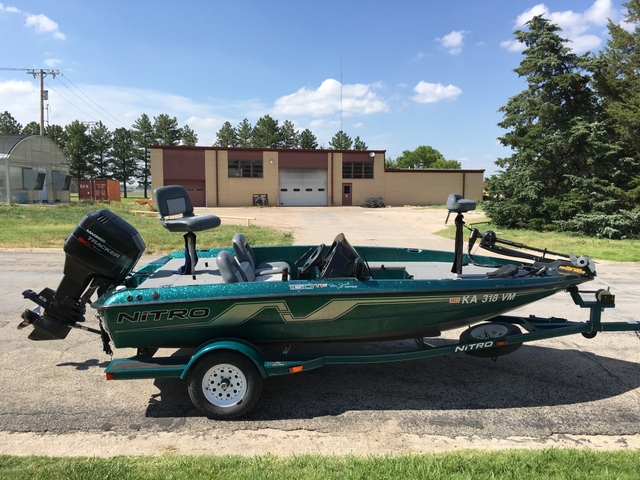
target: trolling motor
<point>491,242</point>
<point>100,253</point>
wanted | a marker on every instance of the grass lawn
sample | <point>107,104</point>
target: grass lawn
<point>466,464</point>
<point>596,248</point>
<point>32,226</point>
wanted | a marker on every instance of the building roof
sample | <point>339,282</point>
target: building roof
<point>8,142</point>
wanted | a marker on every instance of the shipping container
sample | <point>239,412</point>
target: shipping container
<point>99,189</point>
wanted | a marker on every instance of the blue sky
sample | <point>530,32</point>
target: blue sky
<point>413,72</point>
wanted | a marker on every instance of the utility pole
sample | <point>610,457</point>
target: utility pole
<point>42,73</point>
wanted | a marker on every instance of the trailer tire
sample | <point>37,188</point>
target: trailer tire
<point>487,331</point>
<point>224,384</point>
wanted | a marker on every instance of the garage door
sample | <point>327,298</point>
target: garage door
<point>302,187</point>
<point>195,188</point>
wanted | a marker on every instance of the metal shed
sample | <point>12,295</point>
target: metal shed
<point>33,169</point>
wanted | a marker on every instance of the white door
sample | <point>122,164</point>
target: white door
<point>302,187</point>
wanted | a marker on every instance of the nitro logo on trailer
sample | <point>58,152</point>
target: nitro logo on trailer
<point>157,315</point>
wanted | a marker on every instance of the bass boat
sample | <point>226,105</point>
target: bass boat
<point>283,294</point>
<point>232,305</point>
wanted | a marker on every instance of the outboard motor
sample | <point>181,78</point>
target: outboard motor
<point>100,253</point>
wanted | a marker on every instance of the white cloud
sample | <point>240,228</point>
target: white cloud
<point>513,45</point>
<point>44,24</point>
<point>8,9</point>
<point>325,100</point>
<point>52,62</point>
<point>453,42</point>
<point>576,27</point>
<point>434,92</point>
<point>358,125</point>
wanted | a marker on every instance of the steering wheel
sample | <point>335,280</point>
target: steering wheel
<point>314,259</point>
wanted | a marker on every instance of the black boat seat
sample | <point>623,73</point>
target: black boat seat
<point>172,200</point>
<point>244,253</point>
<point>457,204</point>
<point>229,268</point>
<point>233,272</point>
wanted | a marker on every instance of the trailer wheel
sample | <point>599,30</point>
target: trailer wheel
<point>490,331</point>
<point>224,385</point>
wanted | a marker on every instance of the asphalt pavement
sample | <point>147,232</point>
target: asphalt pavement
<point>571,387</point>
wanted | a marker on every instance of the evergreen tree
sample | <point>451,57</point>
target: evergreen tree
<point>78,150</point>
<point>341,141</point>
<point>308,140</point>
<point>618,83</point>
<point>100,145</point>
<point>166,129</point>
<point>189,136</point>
<point>266,133</point>
<point>9,125</point>
<point>244,134</point>
<point>359,144</point>
<point>124,155</point>
<point>57,134</point>
<point>226,136</point>
<point>289,136</point>
<point>31,128</point>
<point>564,153</point>
<point>143,137</point>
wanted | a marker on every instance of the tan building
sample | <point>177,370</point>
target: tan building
<point>226,177</point>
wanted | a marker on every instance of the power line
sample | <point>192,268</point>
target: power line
<point>115,120</point>
<point>71,103</point>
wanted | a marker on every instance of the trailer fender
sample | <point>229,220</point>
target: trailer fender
<point>233,344</point>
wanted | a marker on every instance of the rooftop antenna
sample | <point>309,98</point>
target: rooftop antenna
<point>340,92</point>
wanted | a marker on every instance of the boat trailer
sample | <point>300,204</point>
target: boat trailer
<point>236,358</point>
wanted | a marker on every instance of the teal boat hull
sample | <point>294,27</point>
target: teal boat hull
<point>389,304</point>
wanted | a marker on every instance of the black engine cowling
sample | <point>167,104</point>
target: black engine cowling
<point>100,252</point>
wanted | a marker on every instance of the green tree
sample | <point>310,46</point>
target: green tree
<point>359,144</point>
<point>166,129</point>
<point>618,84</point>
<point>244,134</point>
<point>564,151</point>
<point>124,155</point>
<point>446,164</point>
<point>341,141</point>
<point>9,125</point>
<point>31,128</point>
<point>422,157</point>
<point>226,136</point>
<point>266,133</point>
<point>289,136</point>
<point>308,140</point>
<point>143,137</point>
<point>100,145</point>
<point>189,136</point>
<point>57,134</point>
<point>78,150</point>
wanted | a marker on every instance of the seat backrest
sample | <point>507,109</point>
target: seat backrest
<point>229,268</point>
<point>173,200</point>
<point>243,250</point>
